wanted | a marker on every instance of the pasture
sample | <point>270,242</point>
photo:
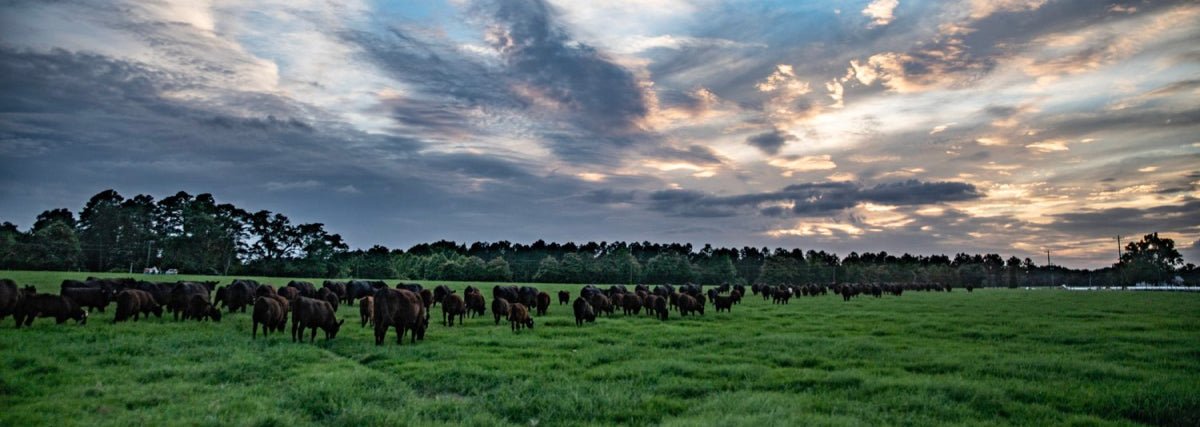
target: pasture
<point>991,357</point>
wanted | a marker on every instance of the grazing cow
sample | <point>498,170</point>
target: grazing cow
<point>476,305</point>
<point>440,292</point>
<point>648,303</point>
<point>712,293</point>
<point>543,303</point>
<point>92,298</point>
<point>401,309</point>
<point>307,289</point>
<point>602,304</point>
<point>518,317</point>
<point>326,294</point>
<point>583,312</point>
<point>689,305</point>
<point>366,307</point>
<point>199,308</point>
<point>239,294</point>
<point>181,296</point>
<point>781,295</point>
<point>47,305</point>
<point>270,313</point>
<point>618,300</point>
<point>631,304</point>
<point>452,306</point>
<point>564,297</point>
<point>136,304</point>
<point>11,297</point>
<point>664,291</point>
<point>312,313</point>
<point>500,308</point>
<point>160,291</point>
<point>660,308</point>
<point>723,302</point>
<point>736,296</point>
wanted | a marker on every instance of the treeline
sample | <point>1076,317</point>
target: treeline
<point>195,234</point>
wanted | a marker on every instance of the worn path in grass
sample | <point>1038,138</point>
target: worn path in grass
<point>989,357</point>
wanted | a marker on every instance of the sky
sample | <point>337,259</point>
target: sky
<point>928,127</point>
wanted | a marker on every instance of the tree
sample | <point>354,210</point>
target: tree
<point>497,270</point>
<point>1151,259</point>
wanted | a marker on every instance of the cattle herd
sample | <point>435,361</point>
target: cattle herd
<point>405,307</point>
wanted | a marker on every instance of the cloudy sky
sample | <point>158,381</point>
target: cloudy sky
<point>1009,126</point>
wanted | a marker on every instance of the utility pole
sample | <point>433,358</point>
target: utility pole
<point>1120,274</point>
<point>1050,266</point>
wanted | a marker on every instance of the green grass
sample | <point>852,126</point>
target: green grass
<point>992,357</point>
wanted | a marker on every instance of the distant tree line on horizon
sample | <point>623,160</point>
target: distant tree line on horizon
<point>197,235</point>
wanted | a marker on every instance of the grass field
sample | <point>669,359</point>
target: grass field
<point>992,357</point>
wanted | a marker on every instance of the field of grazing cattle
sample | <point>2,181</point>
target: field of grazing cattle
<point>987,357</point>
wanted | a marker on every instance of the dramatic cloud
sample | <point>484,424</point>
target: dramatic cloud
<point>1011,126</point>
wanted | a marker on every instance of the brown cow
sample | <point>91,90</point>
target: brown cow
<point>723,302</point>
<point>453,305</point>
<point>136,303</point>
<point>583,312</point>
<point>500,308</point>
<point>46,305</point>
<point>564,297</point>
<point>271,313</point>
<point>327,295</point>
<point>543,303</point>
<point>601,304</point>
<point>366,307</point>
<point>518,317</point>
<point>289,292</point>
<point>476,305</point>
<point>402,309</point>
<point>632,303</point>
<point>200,309</point>
<point>689,305</point>
<point>312,313</point>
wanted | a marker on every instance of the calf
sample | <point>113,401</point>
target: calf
<point>564,297</point>
<point>543,303</point>
<point>402,309</point>
<point>583,312</point>
<point>366,306</point>
<point>269,312</point>
<point>46,305</point>
<point>135,303</point>
<point>452,306</point>
<point>500,308</point>
<point>518,317</point>
<point>312,313</point>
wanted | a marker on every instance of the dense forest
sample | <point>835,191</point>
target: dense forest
<point>195,234</point>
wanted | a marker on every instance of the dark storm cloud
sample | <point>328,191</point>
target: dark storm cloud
<point>812,199</point>
<point>770,142</point>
